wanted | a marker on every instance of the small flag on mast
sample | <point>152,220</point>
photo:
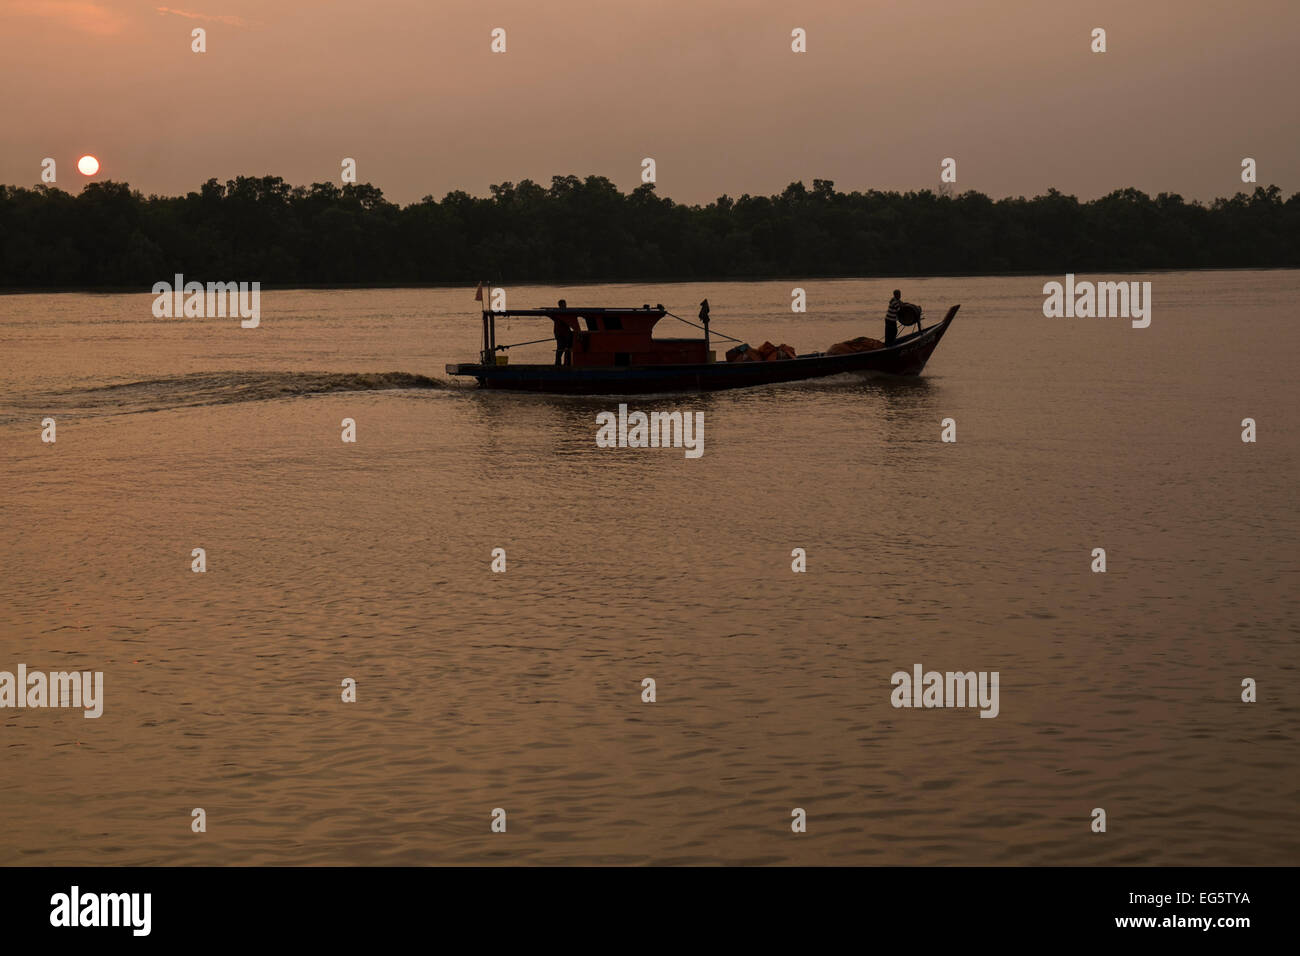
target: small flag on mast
<point>478,293</point>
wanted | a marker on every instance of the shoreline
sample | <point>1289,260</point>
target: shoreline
<point>571,283</point>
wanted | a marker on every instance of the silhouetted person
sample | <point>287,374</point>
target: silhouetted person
<point>563,339</point>
<point>891,318</point>
<point>704,317</point>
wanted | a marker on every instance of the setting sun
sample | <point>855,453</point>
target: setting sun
<point>88,165</point>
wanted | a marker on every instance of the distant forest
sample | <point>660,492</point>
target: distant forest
<point>263,229</point>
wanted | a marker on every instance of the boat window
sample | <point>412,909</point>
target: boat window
<point>613,323</point>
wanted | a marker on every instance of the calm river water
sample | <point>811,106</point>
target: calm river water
<point>523,690</point>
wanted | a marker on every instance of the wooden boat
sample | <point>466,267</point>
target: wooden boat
<point>616,354</point>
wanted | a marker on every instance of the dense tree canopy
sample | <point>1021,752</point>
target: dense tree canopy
<point>261,228</point>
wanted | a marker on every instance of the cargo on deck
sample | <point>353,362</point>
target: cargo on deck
<point>861,344</point>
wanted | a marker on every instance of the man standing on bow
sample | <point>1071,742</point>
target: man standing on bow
<point>891,317</point>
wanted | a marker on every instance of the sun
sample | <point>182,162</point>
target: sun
<point>88,165</point>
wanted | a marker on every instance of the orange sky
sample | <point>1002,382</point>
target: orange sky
<point>709,88</point>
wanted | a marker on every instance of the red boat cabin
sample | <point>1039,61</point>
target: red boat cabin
<point>609,337</point>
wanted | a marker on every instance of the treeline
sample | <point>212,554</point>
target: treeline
<point>261,228</point>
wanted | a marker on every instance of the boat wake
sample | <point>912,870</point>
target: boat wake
<point>215,388</point>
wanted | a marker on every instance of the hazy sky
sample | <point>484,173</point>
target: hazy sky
<point>709,88</point>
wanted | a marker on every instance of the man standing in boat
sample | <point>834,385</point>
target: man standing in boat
<point>563,339</point>
<point>891,317</point>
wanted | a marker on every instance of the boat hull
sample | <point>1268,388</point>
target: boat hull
<point>907,356</point>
